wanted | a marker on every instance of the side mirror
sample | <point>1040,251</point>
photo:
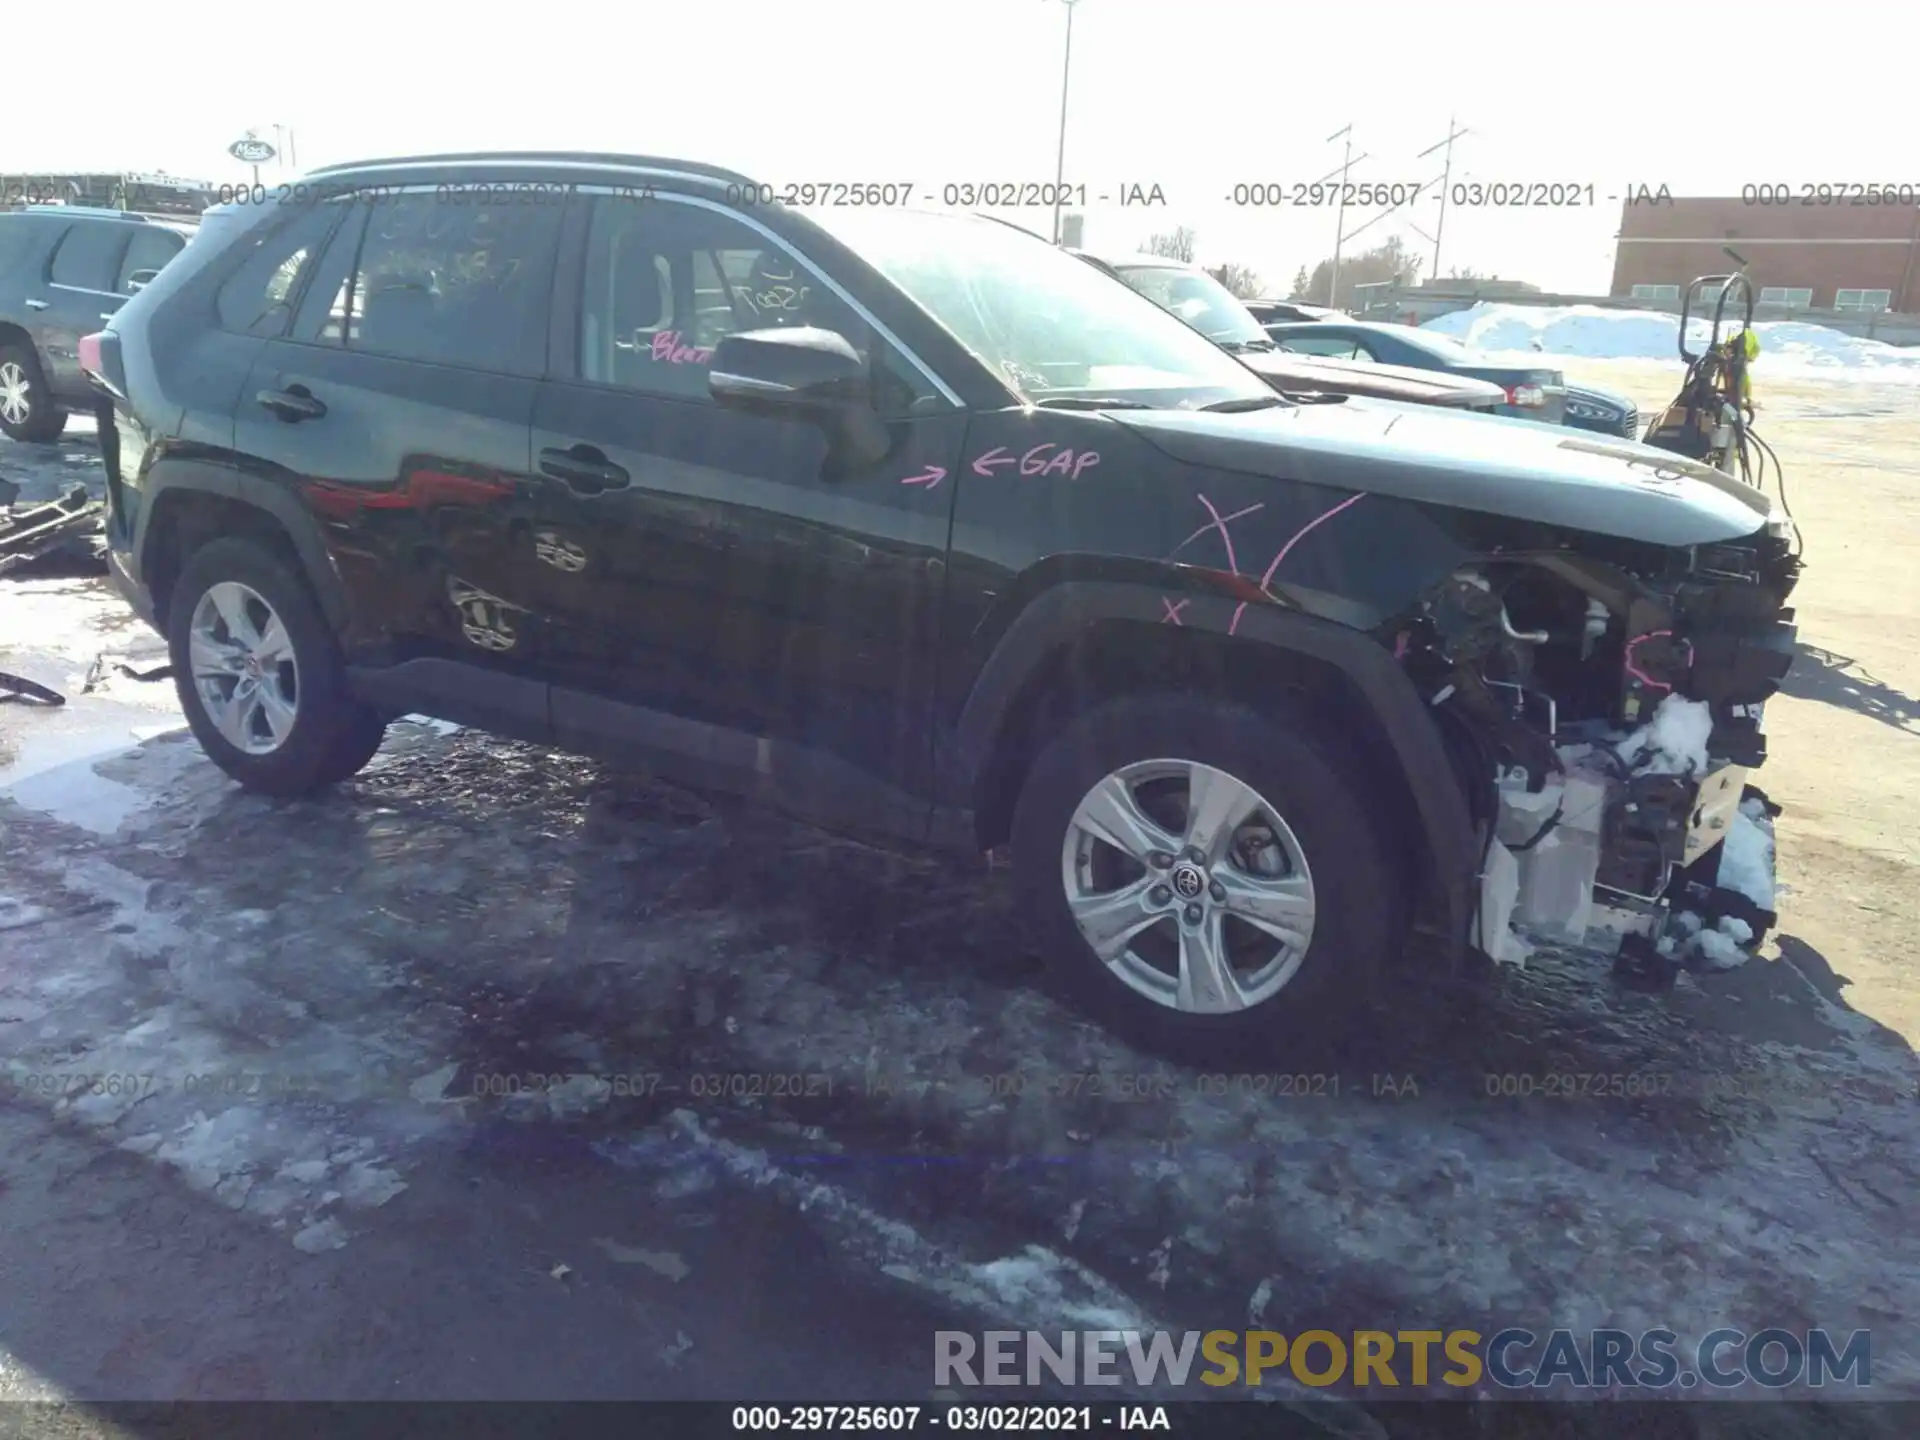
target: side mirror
<point>788,369</point>
<point>140,279</point>
<point>803,373</point>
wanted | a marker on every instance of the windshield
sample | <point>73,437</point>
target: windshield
<point>1200,300</point>
<point>1052,326</point>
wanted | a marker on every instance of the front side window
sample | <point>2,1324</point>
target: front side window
<point>666,282</point>
<point>1049,324</point>
<point>149,250</point>
<point>455,282</point>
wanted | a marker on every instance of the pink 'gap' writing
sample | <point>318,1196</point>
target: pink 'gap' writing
<point>668,348</point>
<point>1070,463</point>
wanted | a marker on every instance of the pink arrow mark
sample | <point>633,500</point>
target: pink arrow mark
<point>985,464</point>
<point>933,476</point>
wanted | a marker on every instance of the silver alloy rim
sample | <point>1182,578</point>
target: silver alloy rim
<point>1189,885</point>
<point>244,669</point>
<point>15,405</point>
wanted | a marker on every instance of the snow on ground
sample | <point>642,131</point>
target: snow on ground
<point>1590,332</point>
<point>473,909</point>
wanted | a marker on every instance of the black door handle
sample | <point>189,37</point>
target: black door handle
<point>585,469</point>
<point>292,405</point>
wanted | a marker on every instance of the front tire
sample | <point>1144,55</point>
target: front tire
<point>27,408</point>
<point>1207,879</point>
<point>259,674</point>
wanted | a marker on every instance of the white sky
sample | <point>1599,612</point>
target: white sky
<point>1193,95</point>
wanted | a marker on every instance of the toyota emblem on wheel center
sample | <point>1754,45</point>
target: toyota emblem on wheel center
<point>1188,881</point>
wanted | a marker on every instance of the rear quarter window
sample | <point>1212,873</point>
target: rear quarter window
<point>258,298</point>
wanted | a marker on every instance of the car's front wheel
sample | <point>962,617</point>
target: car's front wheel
<point>27,410</point>
<point>1207,878</point>
<point>259,673</point>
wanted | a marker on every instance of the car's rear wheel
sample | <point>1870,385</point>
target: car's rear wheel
<point>27,408</point>
<point>260,676</point>
<point>1207,878</point>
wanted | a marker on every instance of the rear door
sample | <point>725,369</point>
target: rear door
<point>78,298</point>
<point>397,405</point>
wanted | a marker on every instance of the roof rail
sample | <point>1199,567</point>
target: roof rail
<point>96,211</point>
<point>612,159</point>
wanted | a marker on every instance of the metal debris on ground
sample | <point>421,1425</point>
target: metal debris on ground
<point>33,532</point>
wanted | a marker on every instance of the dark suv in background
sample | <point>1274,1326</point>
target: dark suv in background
<point>918,527</point>
<point>63,270</point>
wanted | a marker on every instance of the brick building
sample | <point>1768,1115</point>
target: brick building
<point>1838,256</point>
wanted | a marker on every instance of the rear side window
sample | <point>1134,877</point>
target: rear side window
<point>258,298</point>
<point>455,283</point>
<point>89,255</point>
<point>148,250</point>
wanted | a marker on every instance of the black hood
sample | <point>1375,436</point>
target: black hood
<point>1499,466</point>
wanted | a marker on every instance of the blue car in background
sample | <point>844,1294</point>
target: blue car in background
<point>1533,392</point>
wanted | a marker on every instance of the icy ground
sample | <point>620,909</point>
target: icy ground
<point>472,908</point>
<point>1591,332</point>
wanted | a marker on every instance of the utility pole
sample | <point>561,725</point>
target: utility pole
<point>1060,158</point>
<point>1446,185</point>
<point>1340,214</point>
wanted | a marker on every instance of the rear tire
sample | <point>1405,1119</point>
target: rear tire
<point>286,725</point>
<point>27,408</point>
<point>1198,982</point>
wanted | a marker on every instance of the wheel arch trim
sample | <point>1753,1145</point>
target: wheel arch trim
<point>1063,611</point>
<point>172,476</point>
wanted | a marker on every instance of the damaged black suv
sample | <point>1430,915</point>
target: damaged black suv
<point>919,527</point>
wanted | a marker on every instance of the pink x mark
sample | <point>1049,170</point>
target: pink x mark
<point>1218,522</point>
<point>1173,610</point>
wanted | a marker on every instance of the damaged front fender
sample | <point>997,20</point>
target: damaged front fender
<point>1611,716</point>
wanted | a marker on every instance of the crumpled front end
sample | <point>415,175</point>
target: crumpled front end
<point>1605,717</point>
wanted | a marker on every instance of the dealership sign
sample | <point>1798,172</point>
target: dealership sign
<point>251,151</point>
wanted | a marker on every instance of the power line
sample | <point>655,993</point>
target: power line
<point>1446,184</point>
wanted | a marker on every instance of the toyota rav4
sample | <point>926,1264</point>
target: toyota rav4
<point>919,527</point>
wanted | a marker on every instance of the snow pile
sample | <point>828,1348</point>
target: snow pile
<point>1674,742</point>
<point>1589,332</point>
<point>1746,855</point>
<point>1721,948</point>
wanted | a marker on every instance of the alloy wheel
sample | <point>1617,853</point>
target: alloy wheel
<point>16,400</point>
<point>244,668</point>
<point>1189,885</point>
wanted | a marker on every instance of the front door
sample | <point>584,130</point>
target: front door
<point>740,601</point>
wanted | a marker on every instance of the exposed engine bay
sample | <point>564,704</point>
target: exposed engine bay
<point>1604,717</point>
